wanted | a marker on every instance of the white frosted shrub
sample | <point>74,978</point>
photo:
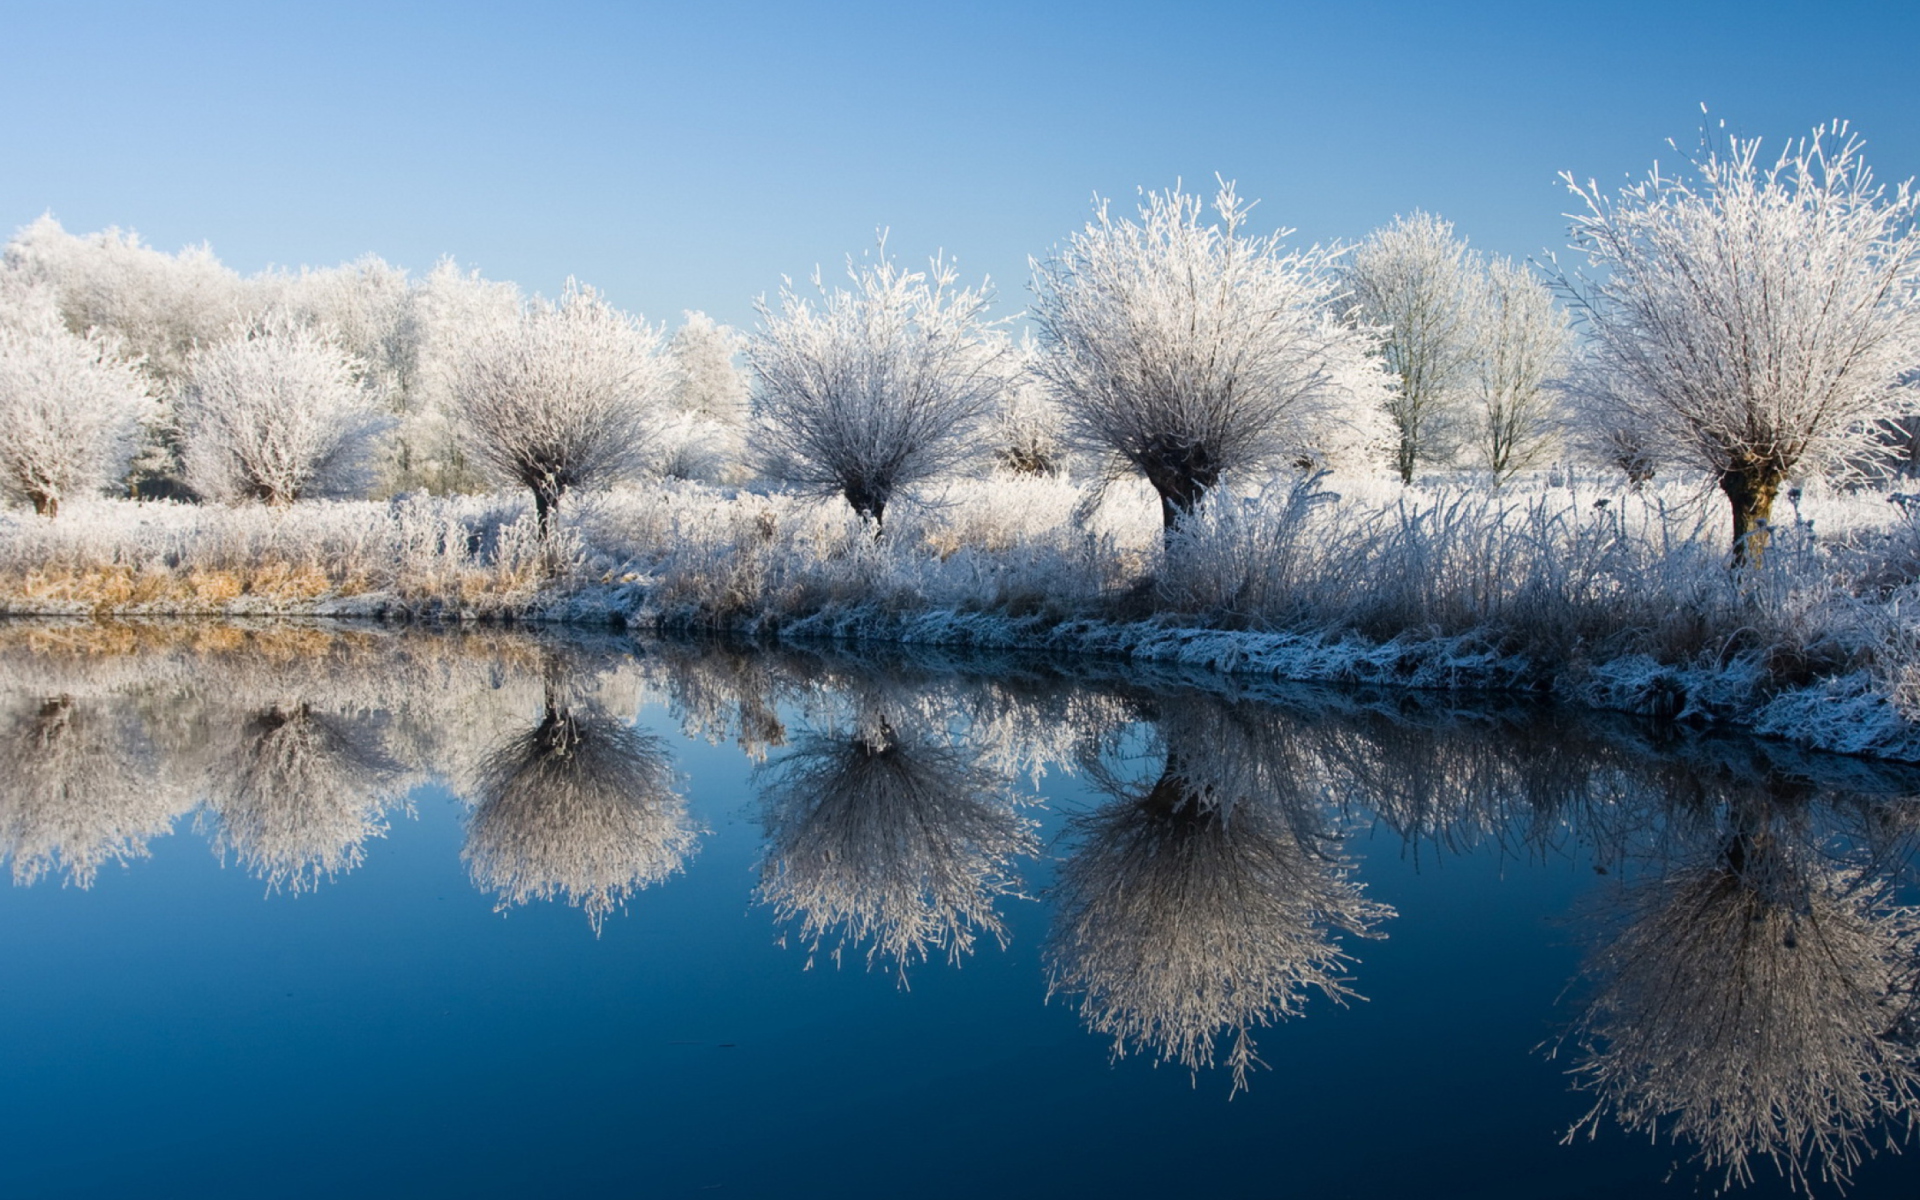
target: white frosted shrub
<point>70,412</point>
<point>1189,349</point>
<point>1754,319</point>
<point>565,396</point>
<point>1522,345</point>
<point>704,437</point>
<point>277,413</point>
<point>159,305</point>
<point>449,311</point>
<point>870,391</point>
<point>1414,284</point>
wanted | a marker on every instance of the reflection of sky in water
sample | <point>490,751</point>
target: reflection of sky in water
<point>431,1012</point>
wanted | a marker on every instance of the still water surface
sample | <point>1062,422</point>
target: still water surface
<point>314,911</point>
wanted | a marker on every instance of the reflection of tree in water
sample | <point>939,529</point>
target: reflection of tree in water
<point>76,790</point>
<point>1751,1001</point>
<point>890,837</point>
<point>581,806</point>
<point>298,793</point>
<point>1204,902</point>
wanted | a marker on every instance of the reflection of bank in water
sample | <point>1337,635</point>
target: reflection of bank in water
<point>891,837</point>
<point>581,806</point>
<point>1204,903</point>
<point>1755,1000</point>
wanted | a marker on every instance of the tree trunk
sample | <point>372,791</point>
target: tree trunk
<point>869,501</point>
<point>46,504</point>
<point>546,502</point>
<point>1750,491</point>
<point>1181,475</point>
<point>1406,457</point>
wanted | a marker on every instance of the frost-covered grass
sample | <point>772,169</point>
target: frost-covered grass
<point>1579,588</point>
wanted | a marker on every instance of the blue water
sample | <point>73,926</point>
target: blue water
<point>179,1028</point>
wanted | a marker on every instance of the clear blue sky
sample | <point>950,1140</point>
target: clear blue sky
<point>686,155</point>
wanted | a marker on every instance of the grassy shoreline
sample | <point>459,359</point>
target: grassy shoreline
<point>1581,592</point>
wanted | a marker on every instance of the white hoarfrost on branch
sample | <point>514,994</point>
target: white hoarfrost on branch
<point>565,396</point>
<point>70,410</point>
<point>1189,349</point>
<point>1753,318</point>
<point>868,392</point>
<point>276,413</point>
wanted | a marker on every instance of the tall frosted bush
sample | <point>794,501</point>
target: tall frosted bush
<point>1415,284</point>
<point>70,411</point>
<point>276,413</point>
<point>868,391</point>
<point>564,396</point>
<point>1189,349</point>
<point>1754,318</point>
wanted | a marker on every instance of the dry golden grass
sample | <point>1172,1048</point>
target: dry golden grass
<point>197,590</point>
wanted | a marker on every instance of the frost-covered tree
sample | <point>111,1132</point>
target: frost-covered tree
<point>1755,318</point>
<point>1415,284</point>
<point>70,410</point>
<point>1522,342</point>
<point>1189,349</point>
<point>706,402</point>
<point>567,395</point>
<point>450,310</point>
<point>1602,430</point>
<point>893,839</point>
<point>277,412</point>
<point>1028,428</point>
<point>159,305</point>
<point>866,392</point>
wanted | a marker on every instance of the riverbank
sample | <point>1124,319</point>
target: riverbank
<point>1609,599</point>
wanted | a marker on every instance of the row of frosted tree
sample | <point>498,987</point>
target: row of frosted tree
<point>1750,319</point>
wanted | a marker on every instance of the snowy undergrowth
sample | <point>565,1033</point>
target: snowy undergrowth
<point>1614,599</point>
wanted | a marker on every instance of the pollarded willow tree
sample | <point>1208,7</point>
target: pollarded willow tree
<point>1522,347</point>
<point>276,413</point>
<point>70,410</point>
<point>565,396</point>
<point>1415,283</point>
<point>1757,318</point>
<point>1189,349</point>
<point>869,391</point>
